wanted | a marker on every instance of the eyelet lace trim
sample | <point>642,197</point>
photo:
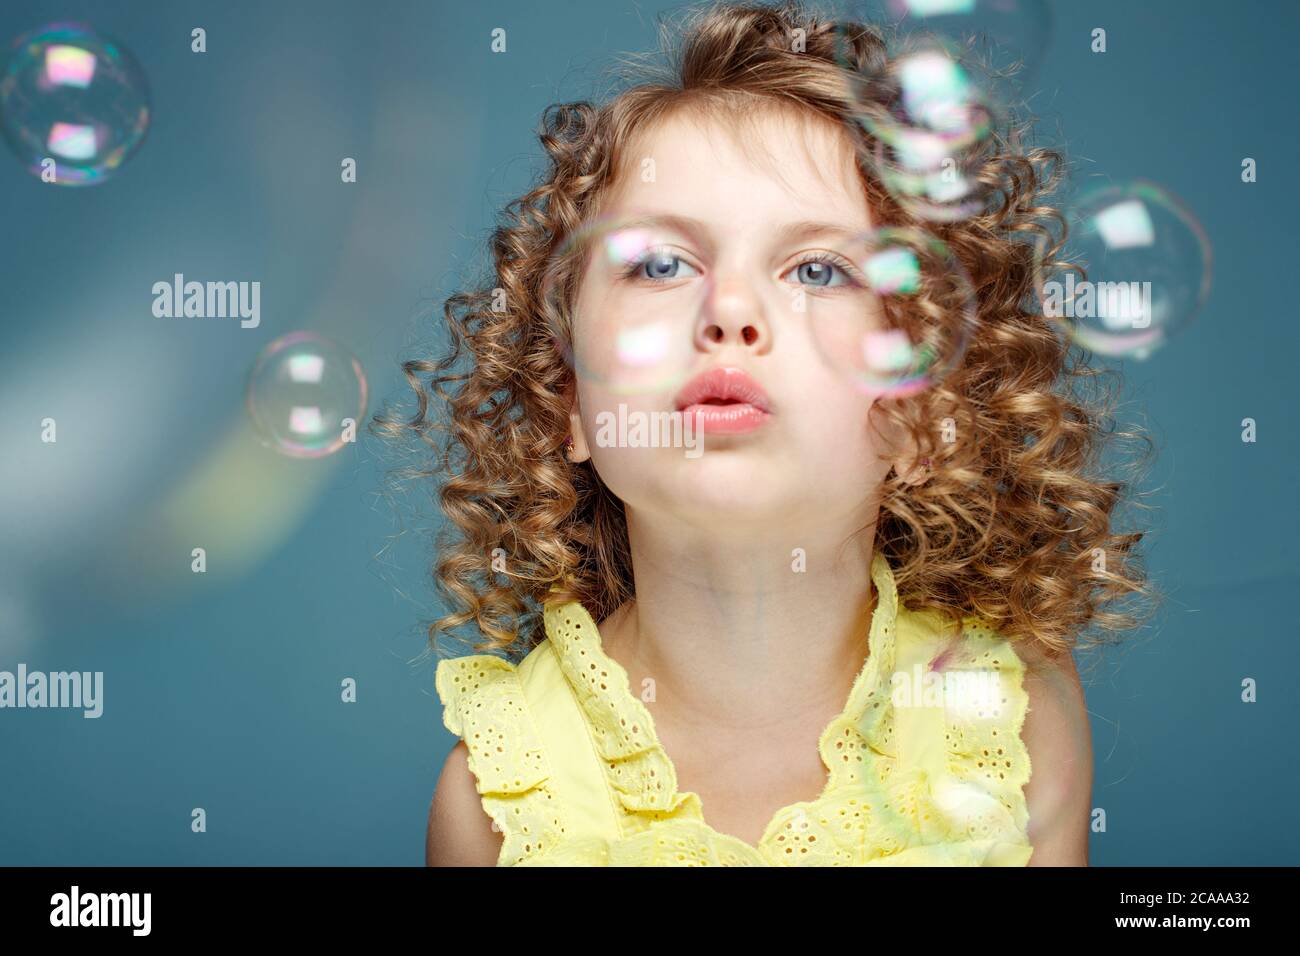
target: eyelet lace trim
<point>642,775</point>
<point>484,704</point>
<point>876,809</point>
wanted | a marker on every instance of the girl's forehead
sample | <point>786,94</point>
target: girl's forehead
<point>793,157</point>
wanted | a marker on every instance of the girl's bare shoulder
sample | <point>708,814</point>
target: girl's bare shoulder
<point>1058,738</point>
<point>460,832</point>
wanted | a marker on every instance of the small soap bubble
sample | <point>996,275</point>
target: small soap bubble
<point>1135,269</point>
<point>71,95</point>
<point>300,391</point>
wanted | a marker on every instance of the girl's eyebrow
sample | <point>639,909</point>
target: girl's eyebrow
<point>789,232</point>
<point>808,228</point>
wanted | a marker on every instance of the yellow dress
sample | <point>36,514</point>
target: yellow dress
<point>925,764</point>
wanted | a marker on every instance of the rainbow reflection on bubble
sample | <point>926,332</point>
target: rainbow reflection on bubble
<point>68,66</point>
<point>936,91</point>
<point>306,395</point>
<point>72,96</point>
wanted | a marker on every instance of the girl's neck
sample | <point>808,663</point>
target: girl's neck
<point>745,631</point>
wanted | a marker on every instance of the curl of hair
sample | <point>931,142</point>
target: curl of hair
<point>1017,522</point>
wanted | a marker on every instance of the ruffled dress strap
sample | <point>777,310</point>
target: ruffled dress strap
<point>959,705</point>
<point>484,705</point>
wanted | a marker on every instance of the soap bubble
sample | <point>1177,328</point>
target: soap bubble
<point>622,300</point>
<point>1007,39</point>
<point>931,128</point>
<point>73,96</point>
<point>903,323</point>
<point>301,393</point>
<point>1142,270</point>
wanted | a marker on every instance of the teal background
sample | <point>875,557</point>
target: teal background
<point>224,694</point>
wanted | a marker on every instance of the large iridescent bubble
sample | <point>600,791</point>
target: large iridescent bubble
<point>1135,269</point>
<point>306,395</point>
<point>73,98</point>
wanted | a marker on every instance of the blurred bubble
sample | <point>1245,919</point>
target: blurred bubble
<point>73,96</point>
<point>1004,40</point>
<point>1142,266</point>
<point>903,321</point>
<point>622,299</point>
<point>931,128</point>
<point>301,394</point>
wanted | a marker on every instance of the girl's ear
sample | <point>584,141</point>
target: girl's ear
<point>900,448</point>
<point>915,471</point>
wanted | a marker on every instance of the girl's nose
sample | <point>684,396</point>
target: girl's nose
<point>733,314</point>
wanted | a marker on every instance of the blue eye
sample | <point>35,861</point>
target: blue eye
<point>663,266</point>
<point>655,266</point>
<point>820,272</point>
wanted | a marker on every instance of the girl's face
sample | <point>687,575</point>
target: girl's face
<point>733,281</point>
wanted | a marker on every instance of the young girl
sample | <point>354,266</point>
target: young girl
<point>839,634</point>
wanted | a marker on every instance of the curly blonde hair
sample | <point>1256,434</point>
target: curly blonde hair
<point>1012,521</point>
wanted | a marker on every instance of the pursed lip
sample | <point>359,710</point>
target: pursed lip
<point>723,384</point>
